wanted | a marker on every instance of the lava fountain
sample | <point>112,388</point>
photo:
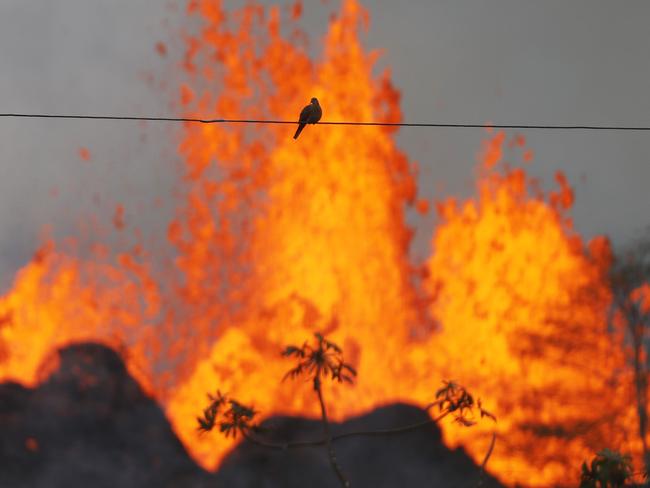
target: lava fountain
<point>523,304</point>
<point>276,239</point>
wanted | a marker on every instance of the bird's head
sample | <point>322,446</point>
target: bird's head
<point>314,101</point>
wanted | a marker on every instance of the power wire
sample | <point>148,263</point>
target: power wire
<point>388,124</point>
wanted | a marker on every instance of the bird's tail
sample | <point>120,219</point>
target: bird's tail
<point>298,130</point>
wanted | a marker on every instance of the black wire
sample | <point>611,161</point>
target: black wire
<point>389,124</point>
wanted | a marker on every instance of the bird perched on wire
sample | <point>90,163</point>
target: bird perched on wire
<point>309,115</point>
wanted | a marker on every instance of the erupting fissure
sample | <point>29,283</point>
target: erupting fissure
<point>276,240</point>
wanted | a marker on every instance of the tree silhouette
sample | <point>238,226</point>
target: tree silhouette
<point>320,360</point>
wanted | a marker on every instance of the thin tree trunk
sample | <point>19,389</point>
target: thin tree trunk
<point>640,377</point>
<point>328,436</point>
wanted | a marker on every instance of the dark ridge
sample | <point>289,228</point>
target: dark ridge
<point>416,458</point>
<point>90,424</point>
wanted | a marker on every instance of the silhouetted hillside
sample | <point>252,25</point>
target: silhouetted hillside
<point>414,459</point>
<point>90,424</point>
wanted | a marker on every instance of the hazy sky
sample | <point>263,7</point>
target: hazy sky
<point>515,61</point>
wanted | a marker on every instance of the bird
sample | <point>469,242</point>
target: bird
<point>309,115</point>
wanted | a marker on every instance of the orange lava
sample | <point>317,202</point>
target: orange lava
<point>522,304</point>
<point>322,219</point>
<point>279,238</point>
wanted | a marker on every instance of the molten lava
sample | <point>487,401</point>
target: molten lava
<point>523,304</point>
<point>321,219</point>
<point>279,238</point>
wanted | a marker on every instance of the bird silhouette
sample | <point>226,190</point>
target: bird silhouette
<point>309,115</point>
